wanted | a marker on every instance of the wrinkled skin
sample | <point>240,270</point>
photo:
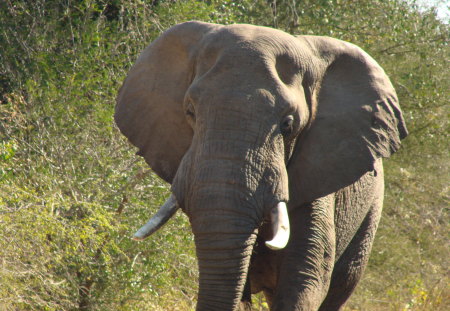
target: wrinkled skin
<point>239,118</point>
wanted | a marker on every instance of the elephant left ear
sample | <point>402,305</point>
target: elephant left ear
<point>356,120</point>
<point>149,109</point>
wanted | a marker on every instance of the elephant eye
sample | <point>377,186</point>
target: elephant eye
<point>190,111</point>
<point>287,125</point>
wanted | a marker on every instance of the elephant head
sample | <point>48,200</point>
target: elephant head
<point>242,120</point>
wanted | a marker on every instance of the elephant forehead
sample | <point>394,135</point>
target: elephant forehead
<point>256,52</point>
<point>244,97</point>
<point>265,40</point>
<point>245,68</point>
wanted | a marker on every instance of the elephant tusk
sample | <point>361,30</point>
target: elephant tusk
<point>165,212</point>
<point>280,226</point>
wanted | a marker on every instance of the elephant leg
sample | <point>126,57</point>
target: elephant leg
<point>263,269</point>
<point>350,266</point>
<point>268,294</point>
<point>246,300</point>
<point>307,264</point>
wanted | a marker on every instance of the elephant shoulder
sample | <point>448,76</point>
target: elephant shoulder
<point>354,202</point>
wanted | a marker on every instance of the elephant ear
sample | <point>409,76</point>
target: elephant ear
<point>149,109</point>
<point>356,120</point>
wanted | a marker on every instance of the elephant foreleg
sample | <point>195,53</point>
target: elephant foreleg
<point>246,300</point>
<point>350,266</point>
<point>305,271</point>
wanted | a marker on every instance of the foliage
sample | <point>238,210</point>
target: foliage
<point>72,192</point>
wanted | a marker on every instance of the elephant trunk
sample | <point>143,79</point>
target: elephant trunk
<point>223,270</point>
<point>227,188</point>
<point>225,227</point>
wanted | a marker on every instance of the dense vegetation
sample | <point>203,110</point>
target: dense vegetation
<point>72,191</point>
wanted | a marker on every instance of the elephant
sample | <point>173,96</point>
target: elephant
<point>272,145</point>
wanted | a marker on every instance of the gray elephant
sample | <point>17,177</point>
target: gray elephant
<point>273,147</point>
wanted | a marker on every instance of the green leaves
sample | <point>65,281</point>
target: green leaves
<point>7,150</point>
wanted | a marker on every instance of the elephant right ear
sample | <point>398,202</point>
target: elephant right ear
<point>356,120</point>
<point>149,109</point>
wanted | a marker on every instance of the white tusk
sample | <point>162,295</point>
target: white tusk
<point>165,212</point>
<point>280,226</point>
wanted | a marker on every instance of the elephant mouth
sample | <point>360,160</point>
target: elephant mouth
<point>278,216</point>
